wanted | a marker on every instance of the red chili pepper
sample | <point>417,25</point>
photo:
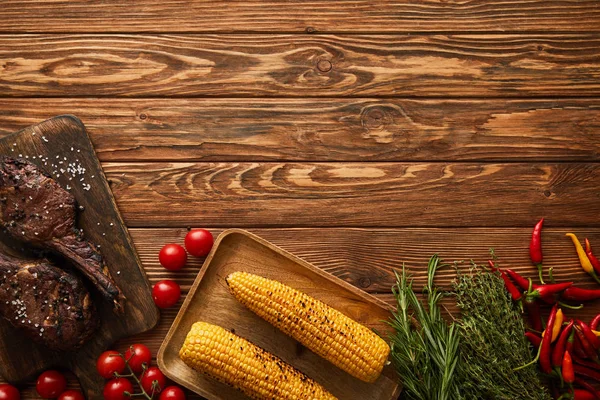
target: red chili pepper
<point>587,372</point>
<point>567,368</point>
<point>561,345</point>
<point>521,281</point>
<point>570,342</point>
<point>578,347</point>
<point>582,394</point>
<point>591,256</point>
<point>586,363</point>
<point>588,387</point>
<point>515,293</point>
<point>588,349</point>
<point>534,339</point>
<point>533,311</point>
<point>545,356</point>
<point>595,322</point>
<point>535,248</point>
<point>546,291</point>
<point>579,294</point>
<point>589,335</point>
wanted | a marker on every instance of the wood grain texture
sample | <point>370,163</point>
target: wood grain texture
<point>299,16</point>
<point>295,65</point>
<point>355,194</point>
<point>326,129</point>
<point>366,258</point>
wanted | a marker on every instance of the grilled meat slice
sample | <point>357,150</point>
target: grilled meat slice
<point>51,305</point>
<point>36,210</point>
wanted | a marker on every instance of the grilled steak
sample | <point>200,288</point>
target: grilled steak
<point>36,210</point>
<point>51,305</point>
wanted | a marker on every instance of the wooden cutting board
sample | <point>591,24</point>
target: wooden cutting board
<point>209,300</point>
<point>64,140</point>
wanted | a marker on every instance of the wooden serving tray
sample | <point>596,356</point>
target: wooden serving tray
<point>20,359</point>
<point>209,300</point>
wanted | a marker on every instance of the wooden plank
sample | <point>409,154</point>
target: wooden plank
<point>299,16</point>
<point>355,194</point>
<point>325,129</point>
<point>299,65</point>
<point>366,258</point>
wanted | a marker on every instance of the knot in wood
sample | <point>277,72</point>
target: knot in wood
<point>376,118</point>
<point>143,116</point>
<point>364,282</point>
<point>324,65</point>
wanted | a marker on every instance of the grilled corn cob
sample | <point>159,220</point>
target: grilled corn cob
<point>324,330</point>
<point>235,361</point>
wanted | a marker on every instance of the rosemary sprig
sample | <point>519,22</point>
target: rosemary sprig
<point>424,346</point>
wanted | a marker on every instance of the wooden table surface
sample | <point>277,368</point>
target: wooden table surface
<point>359,135</point>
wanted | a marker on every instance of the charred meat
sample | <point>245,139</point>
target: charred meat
<point>51,305</point>
<point>36,210</point>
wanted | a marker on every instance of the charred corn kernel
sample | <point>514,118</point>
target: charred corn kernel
<point>327,332</point>
<point>235,361</point>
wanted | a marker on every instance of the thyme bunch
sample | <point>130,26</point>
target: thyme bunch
<point>492,341</point>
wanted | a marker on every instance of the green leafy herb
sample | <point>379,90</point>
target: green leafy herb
<point>471,358</point>
<point>424,346</point>
<point>492,342</point>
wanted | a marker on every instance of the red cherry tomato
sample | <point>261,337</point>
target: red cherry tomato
<point>166,293</point>
<point>110,362</point>
<point>172,393</point>
<point>115,389</point>
<point>153,374</point>
<point>140,355</point>
<point>198,242</point>
<point>71,395</point>
<point>50,384</point>
<point>9,392</point>
<point>172,257</point>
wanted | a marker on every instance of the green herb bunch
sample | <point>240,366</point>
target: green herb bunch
<point>471,358</point>
<point>492,342</point>
<point>424,346</point>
